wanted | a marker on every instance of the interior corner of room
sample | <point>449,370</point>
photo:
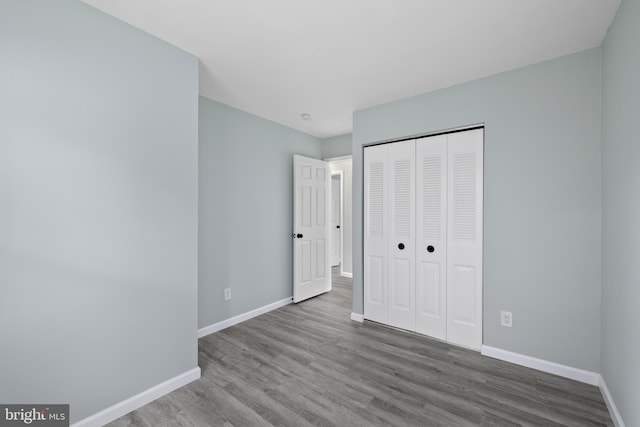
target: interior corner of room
<point>139,214</point>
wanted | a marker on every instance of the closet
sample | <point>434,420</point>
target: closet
<point>423,201</point>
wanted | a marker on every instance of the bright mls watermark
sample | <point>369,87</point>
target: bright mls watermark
<point>34,415</point>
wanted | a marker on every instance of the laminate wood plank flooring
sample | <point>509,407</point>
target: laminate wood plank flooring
<point>308,364</point>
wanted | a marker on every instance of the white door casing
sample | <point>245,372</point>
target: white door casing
<point>311,222</point>
<point>336,243</point>
<point>431,236</point>
<point>465,237</point>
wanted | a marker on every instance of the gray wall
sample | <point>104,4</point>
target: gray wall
<point>98,183</point>
<point>336,146</point>
<point>246,210</point>
<point>542,247</point>
<point>621,212</point>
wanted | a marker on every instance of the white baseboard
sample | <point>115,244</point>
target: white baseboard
<point>346,274</point>
<point>608,399</point>
<point>357,317</point>
<point>207,330</point>
<point>581,375</point>
<point>131,404</point>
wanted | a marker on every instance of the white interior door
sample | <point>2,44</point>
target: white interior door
<point>336,243</point>
<point>464,238</point>
<point>375,234</point>
<point>311,222</point>
<point>401,244</point>
<point>431,236</point>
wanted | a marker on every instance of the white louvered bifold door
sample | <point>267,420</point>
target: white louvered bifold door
<point>464,238</point>
<point>401,244</point>
<point>431,236</point>
<point>376,234</point>
<point>423,236</point>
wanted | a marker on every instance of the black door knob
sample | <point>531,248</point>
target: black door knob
<point>430,249</point>
<point>401,246</point>
<point>299,236</point>
<point>337,226</point>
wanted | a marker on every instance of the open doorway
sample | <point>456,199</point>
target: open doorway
<point>335,253</point>
<point>341,216</point>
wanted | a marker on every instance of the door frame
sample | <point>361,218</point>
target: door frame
<point>331,161</point>
<point>340,175</point>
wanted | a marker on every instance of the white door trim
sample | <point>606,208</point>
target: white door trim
<point>338,159</point>
<point>340,174</point>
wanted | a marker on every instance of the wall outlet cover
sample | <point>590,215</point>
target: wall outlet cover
<point>506,319</point>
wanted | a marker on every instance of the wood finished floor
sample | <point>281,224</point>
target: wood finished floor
<point>309,365</point>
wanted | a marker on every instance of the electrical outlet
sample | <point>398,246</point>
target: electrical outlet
<point>506,319</point>
<point>227,294</point>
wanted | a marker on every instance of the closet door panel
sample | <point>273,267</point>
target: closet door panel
<point>431,236</point>
<point>401,244</point>
<point>376,230</point>
<point>464,235</point>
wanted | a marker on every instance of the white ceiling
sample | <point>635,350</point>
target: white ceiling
<point>280,58</point>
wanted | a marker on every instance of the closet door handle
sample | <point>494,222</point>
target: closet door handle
<point>401,246</point>
<point>430,249</point>
<point>299,236</point>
